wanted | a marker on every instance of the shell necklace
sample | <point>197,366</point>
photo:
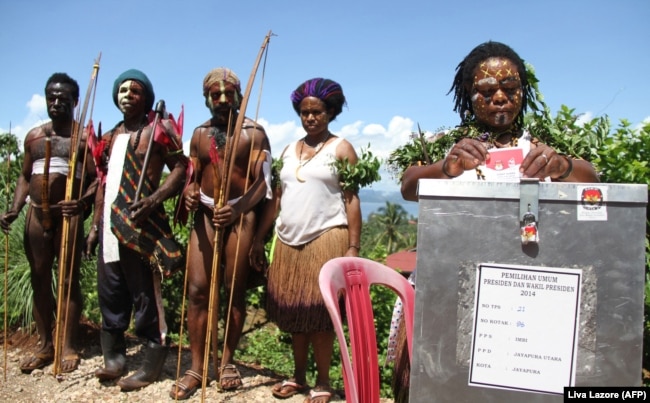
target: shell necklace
<point>302,163</point>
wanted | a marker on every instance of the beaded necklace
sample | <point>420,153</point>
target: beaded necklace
<point>316,148</point>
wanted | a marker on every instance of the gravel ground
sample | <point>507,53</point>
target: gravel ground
<point>82,386</point>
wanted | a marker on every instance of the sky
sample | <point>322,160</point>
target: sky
<point>394,60</point>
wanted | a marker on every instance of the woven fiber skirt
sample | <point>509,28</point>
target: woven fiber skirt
<point>294,300</point>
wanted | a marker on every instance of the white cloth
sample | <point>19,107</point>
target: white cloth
<point>208,201</point>
<point>110,245</point>
<point>310,207</point>
<point>58,165</point>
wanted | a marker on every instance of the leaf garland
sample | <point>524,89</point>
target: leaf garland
<point>356,176</point>
<point>565,133</point>
<point>352,177</point>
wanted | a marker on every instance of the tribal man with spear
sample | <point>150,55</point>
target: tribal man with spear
<point>43,183</point>
<point>211,146</point>
<point>137,247</point>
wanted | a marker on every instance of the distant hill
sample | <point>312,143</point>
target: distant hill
<point>372,200</point>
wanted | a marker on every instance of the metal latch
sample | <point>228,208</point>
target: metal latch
<point>529,210</point>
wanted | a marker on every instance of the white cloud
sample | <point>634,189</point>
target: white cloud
<point>281,134</point>
<point>374,129</point>
<point>351,130</point>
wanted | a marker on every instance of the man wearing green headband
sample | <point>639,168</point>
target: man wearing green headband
<point>132,254</point>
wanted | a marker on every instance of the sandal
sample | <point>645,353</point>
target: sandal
<point>182,390</point>
<point>229,377</point>
<point>37,361</point>
<point>70,363</point>
<point>320,394</point>
<point>287,388</point>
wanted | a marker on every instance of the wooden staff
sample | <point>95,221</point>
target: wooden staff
<point>6,282</point>
<point>197,167</point>
<point>46,221</point>
<point>223,197</point>
<point>67,226</point>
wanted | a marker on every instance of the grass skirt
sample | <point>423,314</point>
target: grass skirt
<point>294,300</point>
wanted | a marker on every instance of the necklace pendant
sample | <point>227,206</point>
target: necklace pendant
<point>298,177</point>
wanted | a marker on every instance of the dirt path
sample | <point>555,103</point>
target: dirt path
<point>82,386</point>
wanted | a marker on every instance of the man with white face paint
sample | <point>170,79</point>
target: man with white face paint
<point>129,268</point>
<point>237,219</point>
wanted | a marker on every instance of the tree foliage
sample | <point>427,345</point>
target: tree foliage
<point>620,155</point>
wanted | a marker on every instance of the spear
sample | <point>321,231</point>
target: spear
<point>67,225</point>
<point>218,236</point>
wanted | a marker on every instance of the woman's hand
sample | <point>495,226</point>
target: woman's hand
<point>543,161</point>
<point>464,155</point>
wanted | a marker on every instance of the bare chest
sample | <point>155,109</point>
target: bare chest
<point>58,147</point>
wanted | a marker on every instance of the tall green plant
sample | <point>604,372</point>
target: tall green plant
<point>19,288</point>
<point>623,158</point>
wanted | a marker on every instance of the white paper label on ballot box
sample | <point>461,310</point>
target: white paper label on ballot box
<point>525,333</point>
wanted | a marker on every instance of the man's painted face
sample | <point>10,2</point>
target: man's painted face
<point>60,102</point>
<point>131,98</point>
<point>221,99</point>
<point>314,116</point>
<point>496,92</point>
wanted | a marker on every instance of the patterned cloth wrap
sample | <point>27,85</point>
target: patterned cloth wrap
<point>394,324</point>
<point>153,239</point>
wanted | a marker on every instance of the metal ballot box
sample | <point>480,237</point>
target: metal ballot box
<point>523,288</point>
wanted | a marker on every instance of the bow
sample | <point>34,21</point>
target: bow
<point>67,225</point>
<point>229,162</point>
<point>6,259</point>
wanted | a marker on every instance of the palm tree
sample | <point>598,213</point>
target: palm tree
<point>392,218</point>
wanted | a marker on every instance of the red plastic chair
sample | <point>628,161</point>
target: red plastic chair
<point>354,275</point>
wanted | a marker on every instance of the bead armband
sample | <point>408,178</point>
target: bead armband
<point>354,246</point>
<point>569,170</point>
<point>444,170</point>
